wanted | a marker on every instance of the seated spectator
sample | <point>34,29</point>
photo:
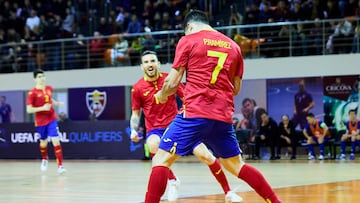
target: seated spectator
<point>351,135</point>
<point>316,132</point>
<point>76,53</point>
<point>288,136</point>
<point>134,26</point>
<point>119,53</point>
<point>268,136</point>
<point>97,49</point>
<point>340,41</point>
<point>356,40</point>
<point>315,37</point>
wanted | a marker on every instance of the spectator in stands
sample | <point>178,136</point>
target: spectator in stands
<point>268,136</point>
<point>356,40</point>
<point>235,19</point>
<point>33,22</point>
<point>297,13</point>
<point>76,53</point>
<point>300,41</point>
<point>134,26</point>
<point>303,103</point>
<point>340,41</point>
<point>288,136</point>
<point>351,135</point>
<point>97,49</point>
<point>282,11</point>
<point>120,51</point>
<point>332,11</point>
<point>315,37</point>
<point>265,14</point>
<point>68,24</point>
<point>104,27</point>
<point>316,132</point>
<point>149,42</point>
<point>52,31</point>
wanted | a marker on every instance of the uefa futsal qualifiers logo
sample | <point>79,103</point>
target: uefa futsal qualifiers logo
<point>96,102</point>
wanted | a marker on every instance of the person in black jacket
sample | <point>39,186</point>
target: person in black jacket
<point>268,136</point>
<point>288,136</point>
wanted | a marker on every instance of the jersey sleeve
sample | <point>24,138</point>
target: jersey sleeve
<point>29,99</point>
<point>135,99</point>
<point>181,54</point>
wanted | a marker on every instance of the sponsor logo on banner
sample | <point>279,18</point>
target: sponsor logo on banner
<point>3,141</point>
<point>96,102</point>
<point>33,137</point>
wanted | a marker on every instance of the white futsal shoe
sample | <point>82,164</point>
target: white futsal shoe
<point>173,189</point>
<point>61,170</point>
<point>232,197</point>
<point>44,165</point>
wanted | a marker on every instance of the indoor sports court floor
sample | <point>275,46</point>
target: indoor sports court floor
<point>125,181</point>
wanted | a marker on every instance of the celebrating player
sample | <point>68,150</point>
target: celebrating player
<point>157,118</point>
<point>40,102</point>
<point>214,68</point>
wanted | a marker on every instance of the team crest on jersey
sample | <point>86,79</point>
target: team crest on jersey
<point>96,102</point>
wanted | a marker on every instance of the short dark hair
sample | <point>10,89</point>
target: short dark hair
<point>352,110</point>
<point>311,115</point>
<point>148,52</point>
<point>197,16</point>
<point>37,72</point>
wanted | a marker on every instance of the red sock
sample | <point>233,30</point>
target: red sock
<point>58,154</point>
<point>171,175</point>
<point>256,180</point>
<point>43,151</point>
<point>219,174</point>
<point>157,184</point>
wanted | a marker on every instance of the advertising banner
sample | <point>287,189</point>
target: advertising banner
<point>106,103</point>
<point>341,93</point>
<point>79,139</point>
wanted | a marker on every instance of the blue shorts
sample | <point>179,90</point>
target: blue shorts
<point>157,131</point>
<point>184,134</point>
<point>49,130</point>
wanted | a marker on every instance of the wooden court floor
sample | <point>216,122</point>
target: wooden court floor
<point>92,181</point>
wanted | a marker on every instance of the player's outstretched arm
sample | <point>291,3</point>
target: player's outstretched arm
<point>171,84</point>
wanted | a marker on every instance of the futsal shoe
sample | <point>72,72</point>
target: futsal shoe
<point>342,157</point>
<point>321,157</point>
<point>172,193</point>
<point>352,157</point>
<point>44,165</point>
<point>61,170</point>
<point>232,197</point>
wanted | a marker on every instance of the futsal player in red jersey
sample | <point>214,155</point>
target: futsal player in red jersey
<point>40,102</point>
<point>157,118</point>
<point>214,69</point>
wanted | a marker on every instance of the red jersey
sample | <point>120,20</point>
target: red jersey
<point>156,115</point>
<point>211,60</point>
<point>39,97</point>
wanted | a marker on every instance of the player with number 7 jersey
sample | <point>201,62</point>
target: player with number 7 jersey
<point>215,60</point>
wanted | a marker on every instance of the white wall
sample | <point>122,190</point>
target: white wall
<point>287,67</point>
